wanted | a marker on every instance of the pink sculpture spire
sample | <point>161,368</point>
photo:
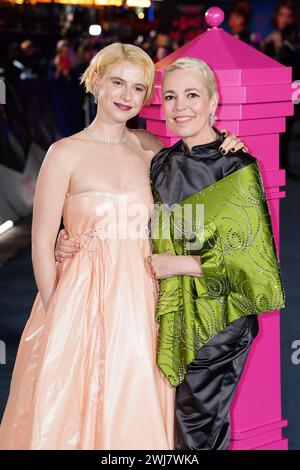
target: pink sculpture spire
<point>214,16</point>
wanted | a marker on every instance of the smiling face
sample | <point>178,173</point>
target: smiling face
<point>187,105</point>
<point>121,91</point>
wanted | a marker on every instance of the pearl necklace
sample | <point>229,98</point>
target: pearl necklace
<point>108,142</point>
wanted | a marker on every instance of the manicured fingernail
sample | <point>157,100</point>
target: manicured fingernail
<point>223,152</point>
<point>233,149</point>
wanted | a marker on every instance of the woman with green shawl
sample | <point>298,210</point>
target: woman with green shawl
<point>214,254</point>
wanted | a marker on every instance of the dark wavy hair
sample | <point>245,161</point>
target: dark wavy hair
<point>287,4</point>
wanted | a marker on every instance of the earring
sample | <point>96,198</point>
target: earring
<point>95,99</point>
<point>212,118</point>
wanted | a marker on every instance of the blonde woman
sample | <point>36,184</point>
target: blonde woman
<point>208,319</point>
<point>85,375</point>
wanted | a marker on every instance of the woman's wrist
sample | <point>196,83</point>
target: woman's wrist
<point>166,265</point>
<point>189,265</point>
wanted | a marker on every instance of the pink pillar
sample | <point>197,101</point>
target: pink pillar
<point>255,97</point>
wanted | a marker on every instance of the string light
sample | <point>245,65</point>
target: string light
<point>95,30</point>
<point>116,3</point>
<point>6,226</point>
<point>138,3</point>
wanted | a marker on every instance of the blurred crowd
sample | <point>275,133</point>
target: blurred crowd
<point>61,66</point>
<point>75,47</point>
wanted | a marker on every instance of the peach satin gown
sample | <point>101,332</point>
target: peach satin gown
<point>85,376</point>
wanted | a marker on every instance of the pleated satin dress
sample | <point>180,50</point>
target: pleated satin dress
<point>85,375</point>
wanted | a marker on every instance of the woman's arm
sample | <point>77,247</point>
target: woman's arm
<point>148,141</point>
<point>166,265</point>
<point>51,189</point>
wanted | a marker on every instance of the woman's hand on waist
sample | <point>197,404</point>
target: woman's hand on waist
<point>65,248</point>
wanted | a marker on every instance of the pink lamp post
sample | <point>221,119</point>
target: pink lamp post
<point>255,97</point>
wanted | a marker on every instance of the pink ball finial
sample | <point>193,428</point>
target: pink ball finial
<point>214,16</point>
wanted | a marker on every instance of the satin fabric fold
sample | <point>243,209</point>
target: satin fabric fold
<point>204,398</point>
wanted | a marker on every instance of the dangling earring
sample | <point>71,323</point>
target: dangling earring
<point>212,118</point>
<point>95,99</point>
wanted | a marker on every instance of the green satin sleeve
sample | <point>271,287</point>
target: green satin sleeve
<point>241,274</point>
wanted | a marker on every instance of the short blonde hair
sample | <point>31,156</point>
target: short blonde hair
<point>114,53</point>
<point>191,63</point>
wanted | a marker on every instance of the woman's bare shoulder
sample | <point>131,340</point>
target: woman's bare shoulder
<point>67,150</point>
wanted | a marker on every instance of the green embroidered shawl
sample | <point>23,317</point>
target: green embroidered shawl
<point>241,272</point>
